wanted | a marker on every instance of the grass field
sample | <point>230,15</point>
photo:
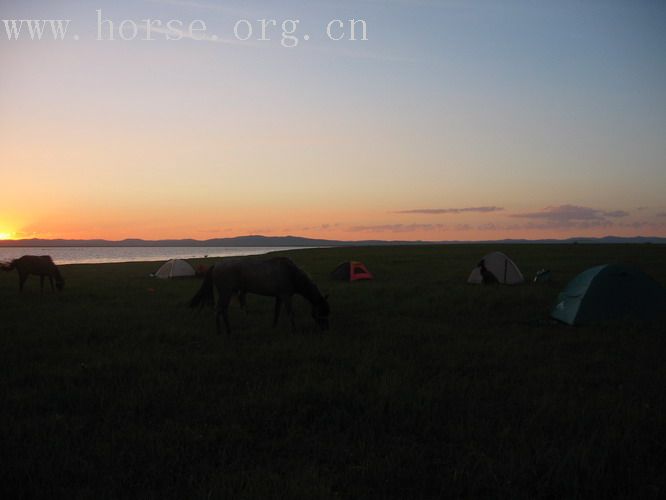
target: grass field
<point>425,387</point>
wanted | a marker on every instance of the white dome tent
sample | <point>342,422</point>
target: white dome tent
<point>502,267</point>
<point>175,268</point>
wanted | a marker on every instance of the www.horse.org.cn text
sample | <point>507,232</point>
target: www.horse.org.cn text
<point>288,32</point>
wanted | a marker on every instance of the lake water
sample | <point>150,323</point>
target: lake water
<point>96,255</point>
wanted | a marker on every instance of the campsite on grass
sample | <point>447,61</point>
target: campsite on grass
<point>422,384</point>
<point>333,250</point>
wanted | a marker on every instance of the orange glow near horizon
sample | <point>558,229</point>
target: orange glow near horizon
<point>350,225</point>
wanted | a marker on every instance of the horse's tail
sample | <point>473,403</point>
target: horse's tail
<point>8,266</point>
<point>205,296</point>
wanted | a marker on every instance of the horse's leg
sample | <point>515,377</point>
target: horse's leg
<point>51,281</point>
<point>242,302</point>
<point>217,322</point>
<point>41,283</point>
<point>276,314</point>
<point>223,310</point>
<point>22,278</point>
<point>225,317</point>
<point>290,311</point>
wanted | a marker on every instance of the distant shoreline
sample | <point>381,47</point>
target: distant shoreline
<point>252,241</point>
<point>116,254</point>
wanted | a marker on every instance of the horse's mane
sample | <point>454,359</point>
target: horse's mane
<point>302,281</point>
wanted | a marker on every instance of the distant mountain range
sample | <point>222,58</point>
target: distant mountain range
<point>297,241</point>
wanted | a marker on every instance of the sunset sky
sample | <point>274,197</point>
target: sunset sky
<point>455,120</point>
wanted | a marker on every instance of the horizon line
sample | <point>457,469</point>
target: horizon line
<point>156,242</point>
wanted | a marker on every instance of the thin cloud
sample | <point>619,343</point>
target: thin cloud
<point>571,213</point>
<point>616,214</point>
<point>243,13</point>
<point>437,211</point>
<point>203,6</point>
<point>398,228</point>
<point>557,225</point>
<point>644,225</point>
<point>357,54</point>
<point>409,3</point>
<point>319,227</point>
<point>174,32</point>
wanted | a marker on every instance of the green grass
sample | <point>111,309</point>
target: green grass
<point>425,387</point>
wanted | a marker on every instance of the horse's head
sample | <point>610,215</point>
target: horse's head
<point>320,312</point>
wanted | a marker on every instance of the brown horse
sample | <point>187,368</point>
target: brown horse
<point>278,277</point>
<point>39,265</point>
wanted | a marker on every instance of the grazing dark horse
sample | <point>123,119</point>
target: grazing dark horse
<point>487,277</point>
<point>39,265</point>
<point>278,277</point>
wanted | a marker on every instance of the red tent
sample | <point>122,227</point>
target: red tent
<point>352,271</point>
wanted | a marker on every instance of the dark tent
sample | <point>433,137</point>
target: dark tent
<point>610,292</point>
